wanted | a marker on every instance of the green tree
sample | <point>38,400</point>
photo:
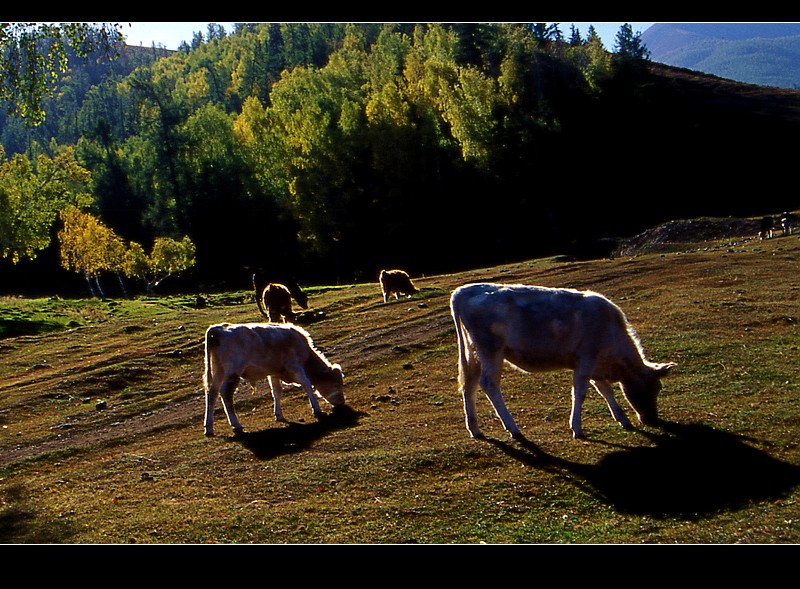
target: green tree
<point>31,196</point>
<point>136,263</point>
<point>168,257</point>
<point>155,153</point>
<point>597,65</point>
<point>629,45</point>
<point>32,55</point>
<point>575,39</point>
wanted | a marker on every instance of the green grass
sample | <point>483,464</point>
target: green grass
<point>101,435</point>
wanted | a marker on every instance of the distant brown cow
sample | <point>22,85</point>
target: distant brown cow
<point>397,282</point>
<point>260,285</point>
<point>277,300</point>
<point>766,228</point>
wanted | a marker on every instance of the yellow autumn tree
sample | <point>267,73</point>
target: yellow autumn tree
<point>89,247</point>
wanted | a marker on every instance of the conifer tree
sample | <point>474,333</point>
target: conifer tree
<point>629,45</point>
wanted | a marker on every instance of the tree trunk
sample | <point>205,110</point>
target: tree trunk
<point>89,282</point>
<point>122,286</point>
<point>100,288</point>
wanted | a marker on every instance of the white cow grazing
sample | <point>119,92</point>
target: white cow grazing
<point>254,351</point>
<point>541,329</point>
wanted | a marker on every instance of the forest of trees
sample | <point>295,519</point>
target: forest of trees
<point>331,150</point>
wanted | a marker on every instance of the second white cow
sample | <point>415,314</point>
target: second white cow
<point>541,329</point>
<point>255,351</point>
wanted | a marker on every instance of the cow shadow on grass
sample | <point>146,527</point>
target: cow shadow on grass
<point>296,437</point>
<point>692,471</point>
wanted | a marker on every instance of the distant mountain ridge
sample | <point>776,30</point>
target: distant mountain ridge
<point>767,54</point>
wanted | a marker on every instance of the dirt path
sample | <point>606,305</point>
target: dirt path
<point>153,377</point>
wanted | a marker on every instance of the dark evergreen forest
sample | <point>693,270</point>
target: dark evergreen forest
<point>330,151</point>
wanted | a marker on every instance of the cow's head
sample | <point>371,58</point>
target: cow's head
<point>300,297</point>
<point>331,386</point>
<point>642,391</point>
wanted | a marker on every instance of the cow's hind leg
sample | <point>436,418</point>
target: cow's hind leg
<point>212,392</point>
<point>604,388</point>
<point>469,373</point>
<point>226,393</point>
<point>490,383</point>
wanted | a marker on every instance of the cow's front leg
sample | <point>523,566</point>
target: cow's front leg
<point>604,388</point>
<point>277,389</point>
<point>579,385</point>
<point>308,387</point>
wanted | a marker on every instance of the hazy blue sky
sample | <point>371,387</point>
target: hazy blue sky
<point>166,34</point>
<point>170,34</point>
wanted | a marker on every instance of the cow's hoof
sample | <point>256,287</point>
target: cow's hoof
<point>209,434</point>
<point>578,436</point>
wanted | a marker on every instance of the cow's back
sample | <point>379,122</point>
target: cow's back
<point>243,347</point>
<point>536,328</point>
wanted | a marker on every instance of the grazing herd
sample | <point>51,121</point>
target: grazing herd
<point>787,223</point>
<point>532,328</point>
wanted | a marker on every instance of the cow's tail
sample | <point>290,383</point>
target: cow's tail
<point>463,339</point>
<point>212,342</point>
<point>258,289</point>
<point>260,302</point>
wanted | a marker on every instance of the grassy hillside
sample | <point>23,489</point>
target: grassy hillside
<point>101,422</point>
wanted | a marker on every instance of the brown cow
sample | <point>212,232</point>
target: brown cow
<point>766,228</point>
<point>397,282</point>
<point>277,300</point>
<point>260,285</point>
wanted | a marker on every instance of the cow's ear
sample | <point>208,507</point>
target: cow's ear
<point>665,369</point>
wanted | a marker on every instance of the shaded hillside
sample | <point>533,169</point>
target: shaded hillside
<point>719,97</point>
<point>767,54</point>
<point>707,146</point>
